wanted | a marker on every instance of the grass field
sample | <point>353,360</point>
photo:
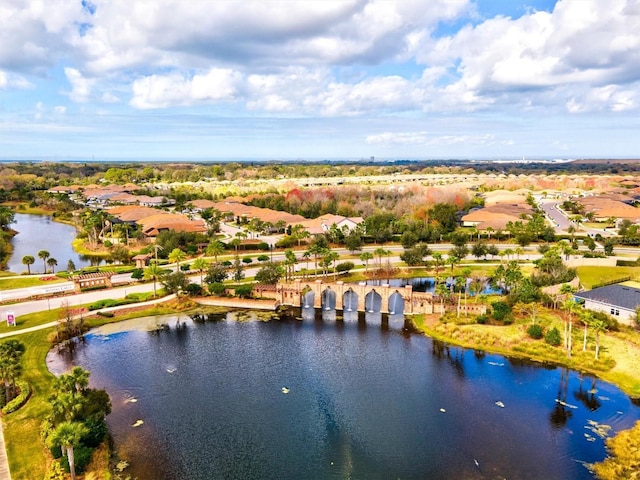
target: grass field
<point>7,283</point>
<point>590,276</point>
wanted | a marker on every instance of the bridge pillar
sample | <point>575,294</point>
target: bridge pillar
<point>408,299</point>
<point>384,298</point>
<point>317,290</point>
<point>361,291</point>
<point>297,296</point>
<point>339,289</point>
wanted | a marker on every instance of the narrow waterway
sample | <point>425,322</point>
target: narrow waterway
<point>40,232</point>
<point>239,398</point>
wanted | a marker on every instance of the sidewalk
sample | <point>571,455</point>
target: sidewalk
<point>4,463</point>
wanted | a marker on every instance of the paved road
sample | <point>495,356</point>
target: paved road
<point>559,219</point>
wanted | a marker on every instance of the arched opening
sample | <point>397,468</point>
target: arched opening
<point>373,302</point>
<point>308,298</point>
<point>350,301</point>
<point>328,299</point>
<point>396,304</point>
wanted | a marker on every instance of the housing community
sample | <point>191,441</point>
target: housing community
<point>598,211</point>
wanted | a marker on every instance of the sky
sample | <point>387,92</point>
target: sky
<point>326,79</point>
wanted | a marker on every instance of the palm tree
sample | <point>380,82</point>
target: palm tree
<point>290,261</point>
<point>442,291</point>
<point>437,261</point>
<point>52,262</point>
<point>176,256</point>
<point>215,248</point>
<point>43,254</point>
<point>306,255</point>
<point>381,252</point>
<point>200,264</point>
<point>598,326</point>
<point>28,260</point>
<point>152,272</point>
<point>316,249</point>
<point>365,257</point>
<point>586,318</point>
<point>67,435</point>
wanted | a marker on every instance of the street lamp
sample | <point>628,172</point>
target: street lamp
<point>271,251</point>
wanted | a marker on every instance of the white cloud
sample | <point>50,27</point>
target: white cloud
<point>81,86</point>
<point>425,138</point>
<point>161,91</point>
<point>60,109</point>
<point>9,80</point>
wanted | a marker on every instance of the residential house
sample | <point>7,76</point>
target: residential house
<point>619,301</point>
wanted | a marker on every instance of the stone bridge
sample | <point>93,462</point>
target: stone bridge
<point>353,297</point>
<point>364,298</point>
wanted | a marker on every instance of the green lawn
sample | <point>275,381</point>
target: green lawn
<point>8,283</point>
<point>591,275</point>
<point>22,428</point>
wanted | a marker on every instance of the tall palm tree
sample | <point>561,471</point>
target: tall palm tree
<point>53,263</point>
<point>28,260</point>
<point>176,256</point>
<point>437,261</point>
<point>152,272</point>
<point>365,257</point>
<point>200,264</point>
<point>67,435</point>
<point>215,248</point>
<point>43,254</point>
<point>381,252</point>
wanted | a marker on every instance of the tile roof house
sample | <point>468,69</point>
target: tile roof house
<point>495,216</point>
<point>153,225</point>
<point>619,301</point>
<point>322,224</point>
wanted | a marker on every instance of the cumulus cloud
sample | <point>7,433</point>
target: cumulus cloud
<point>161,91</point>
<point>81,86</point>
<point>590,43</point>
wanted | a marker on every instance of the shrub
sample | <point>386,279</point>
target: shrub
<point>501,311</point>
<point>552,337</point>
<point>247,260</point>
<point>105,314</point>
<point>482,319</point>
<point>21,399</point>
<point>227,263</point>
<point>107,243</point>
<point>185,267</point>
<point>535,331</point>
<point>82,456</point>
<point>137,274</point>
<point>217,288</point>
<point>345,267</point>
<point>194,289</point>
<point>263,258</point>
<point>243,290</point>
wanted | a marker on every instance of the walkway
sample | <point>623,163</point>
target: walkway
<point>5,474</point>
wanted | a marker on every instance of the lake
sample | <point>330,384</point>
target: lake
<point>40,232</point>
<point>240,398</point>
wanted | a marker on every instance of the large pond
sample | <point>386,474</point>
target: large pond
<point>40,232</point>
<point>239,398</point>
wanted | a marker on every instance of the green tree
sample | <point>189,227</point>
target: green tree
<point>52,262</point>
<point>11,352</point>
<point>175,282</point>
<point>365,257</point>
<point>290,261</point>
<point>200,264</point>
<point>238,269</point>
<point>269,274</point>
<point>381,252</point>
<point>28,260</point>
<point>176,256</point>
<point>217,273</point>
<point>7,217</point>
<point>153,272</point>
<point>68,435</point>
<point>215,248</point>
<point>43,255</point>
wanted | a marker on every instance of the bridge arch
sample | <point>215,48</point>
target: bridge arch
<point>396,303</point>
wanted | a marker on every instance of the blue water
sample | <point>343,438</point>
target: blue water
<point>364,399</point>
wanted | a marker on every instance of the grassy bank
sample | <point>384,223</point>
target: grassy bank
<point>619,351</point>
<point>8,283</point>
<point>27,455</point>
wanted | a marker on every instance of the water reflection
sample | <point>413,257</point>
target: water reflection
<point>366,398</point>
<point>58,242</point>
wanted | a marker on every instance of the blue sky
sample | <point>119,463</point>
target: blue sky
<point>174,79</point>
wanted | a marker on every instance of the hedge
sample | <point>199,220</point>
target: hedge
<point>20,400</point>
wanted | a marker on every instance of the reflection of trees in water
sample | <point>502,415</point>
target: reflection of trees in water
<point>588,396</point>
<point>454,356</point>
<point>479,354</point>
<point>561,412</point>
